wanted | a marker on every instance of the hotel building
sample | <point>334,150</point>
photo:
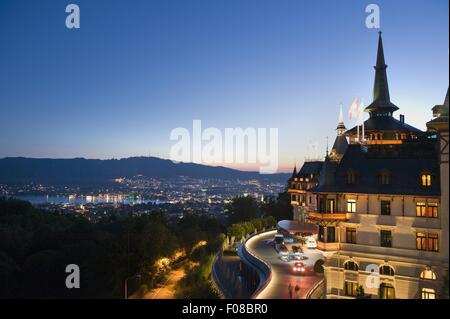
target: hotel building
<point>380,200</point>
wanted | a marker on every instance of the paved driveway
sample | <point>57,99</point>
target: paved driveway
<point>281,270</point>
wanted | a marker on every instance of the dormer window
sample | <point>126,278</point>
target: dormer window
<point>385,178</point>
<point>425,180</point>
<point>351,177</point>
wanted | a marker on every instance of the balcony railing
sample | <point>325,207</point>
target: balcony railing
<point>328,216</point>
<point>296,191</point>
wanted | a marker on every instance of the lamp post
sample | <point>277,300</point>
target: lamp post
<point>126,284</point>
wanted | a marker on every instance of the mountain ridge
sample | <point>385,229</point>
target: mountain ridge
<point>82,171</point>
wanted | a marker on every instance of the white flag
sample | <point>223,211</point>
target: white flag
<point>360,118</point>
<point>354,110</point>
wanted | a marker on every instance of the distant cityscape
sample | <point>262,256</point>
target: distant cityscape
<point>140,194</point>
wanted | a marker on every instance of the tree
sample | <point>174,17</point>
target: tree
<point>236,231</point>
<point>281,208</point>
<point>242,209</point>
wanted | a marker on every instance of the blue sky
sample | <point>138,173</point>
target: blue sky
<point>137,69</point>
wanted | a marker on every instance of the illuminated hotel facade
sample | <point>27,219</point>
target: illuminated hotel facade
<point>380,201</point>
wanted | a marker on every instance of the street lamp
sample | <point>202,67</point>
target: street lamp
<point>126,284</point>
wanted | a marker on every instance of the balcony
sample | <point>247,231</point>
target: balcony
<point>328,216</point>
<point>296,191</point>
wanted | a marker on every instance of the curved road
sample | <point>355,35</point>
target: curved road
<point>281,270</point>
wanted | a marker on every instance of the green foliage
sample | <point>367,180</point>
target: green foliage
<point>196,284</point>
<point>36,246</point>
<point>193,228</point>
<point>242,209</point>
<point>242,229</point>
<point>280,208</point>
<point>236,230</point>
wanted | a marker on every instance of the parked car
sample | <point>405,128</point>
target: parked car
<point>311,243</point>
<point>279,239</point>
<point>297,255</point>
<point>283,252</point>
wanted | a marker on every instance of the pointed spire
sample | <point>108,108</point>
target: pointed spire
<point>381,104</point>
<point>294,173</point>
<point>341,126</point>
<point>441,114</point>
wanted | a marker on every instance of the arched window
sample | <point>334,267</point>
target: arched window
<point>387,270</point>
<point>428,274</point>
<point>351,265</point>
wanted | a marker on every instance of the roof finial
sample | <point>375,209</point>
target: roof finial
<point>381,104</point>
<point>341,126</point>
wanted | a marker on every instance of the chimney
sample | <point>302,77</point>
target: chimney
<point>402,119</point>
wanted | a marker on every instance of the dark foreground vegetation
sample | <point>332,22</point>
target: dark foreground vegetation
<point>37,245</point>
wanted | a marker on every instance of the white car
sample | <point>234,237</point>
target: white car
<point>283,252</point>
<point>311,243</point>
<point>297,255</point>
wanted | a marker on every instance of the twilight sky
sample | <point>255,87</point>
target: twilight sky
<point>138,69</point>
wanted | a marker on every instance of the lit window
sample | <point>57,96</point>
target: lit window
<point>428,274</point>
<point>432,210</point>
<point>351,265</point>
<point>387,270</point>
<point>428,293</point>
<point>421,239</point>
<point>351,206</point>
<point>433,242</point>
<point>387,291</point>
<point>351,288</point>
<point>421,209</point>
<point>330,206</point>
<point>426,180</point>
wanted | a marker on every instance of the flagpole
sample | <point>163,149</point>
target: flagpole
<point>362,120</point>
